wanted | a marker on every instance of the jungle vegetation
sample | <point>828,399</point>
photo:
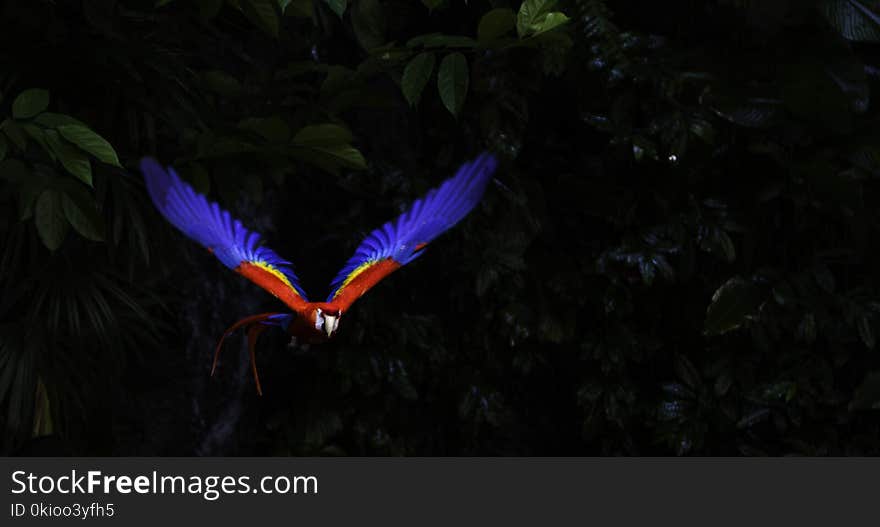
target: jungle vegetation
<point>675,257</point>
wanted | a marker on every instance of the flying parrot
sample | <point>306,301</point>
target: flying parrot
<point>383,251</point>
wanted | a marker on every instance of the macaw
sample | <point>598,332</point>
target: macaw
<point>383,251</point>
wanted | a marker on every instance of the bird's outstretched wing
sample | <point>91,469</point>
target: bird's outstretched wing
<point>402,240</point>
<point>214,228</point>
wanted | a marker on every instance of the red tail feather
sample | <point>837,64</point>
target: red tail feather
<point>254,328</point>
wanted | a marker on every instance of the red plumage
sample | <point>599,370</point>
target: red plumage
<point>381,253</point>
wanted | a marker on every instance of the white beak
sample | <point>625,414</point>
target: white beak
<point>330,323</point>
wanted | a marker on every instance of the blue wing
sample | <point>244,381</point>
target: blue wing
<point>234,245</point>
<point>404,239</point>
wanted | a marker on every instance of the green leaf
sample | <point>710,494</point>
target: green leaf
<point>439,40</point>
<point>496,23</point>
<point>49,218</point>
<point>339,79</point>
<point>338,6</point>
<point>368,22</point>
<point>731,305</point>
<point>272,129</point>
<point>532,13</point>
<point>264,14</point>
<point>4,147</point>
<point>432,4</point>
<point>322,135</point>
<point>551,21</point>
<point>54,120</point>
<point>29,103</point>
<point>452,82</point>
<point>702,129</point>
<point>79,209</point>
<point>330,158</point>
<point>537,16</point>
<point>299,8</point>
<point>42,420</point>
<point>14,132</point>
<point>91,142</point>
<point>30,184</point>
<point>71,159</point>
<point>327,146</point>
<point>415,76</point>
<point>36,133</point>
<point>221,83</point>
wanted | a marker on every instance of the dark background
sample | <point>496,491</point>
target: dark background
<point>675,258</point>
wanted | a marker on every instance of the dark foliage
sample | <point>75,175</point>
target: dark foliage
<point>675,257</point>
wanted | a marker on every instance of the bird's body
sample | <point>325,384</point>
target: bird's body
<point>385,250</point>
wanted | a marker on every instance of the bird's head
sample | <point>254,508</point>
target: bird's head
<point>327,320</point>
